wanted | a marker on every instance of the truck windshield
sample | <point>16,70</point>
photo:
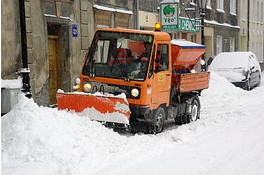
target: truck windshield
<point>119,55</point>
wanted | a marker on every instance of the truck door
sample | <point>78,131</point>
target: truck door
<point>162,76</point>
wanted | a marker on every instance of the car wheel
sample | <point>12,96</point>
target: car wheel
<point>259,81</point>
<point>158,121</point>
<point>248,85</point>
<point>195,109</point>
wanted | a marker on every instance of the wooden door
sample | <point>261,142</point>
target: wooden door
<point>54,68</point>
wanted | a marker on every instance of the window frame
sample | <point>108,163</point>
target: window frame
<point>208,5</point>
<point>160,64</point>
<point>220,6</point>
<point>219,44</point>
<point>232,44</point>
<point>233,7</point>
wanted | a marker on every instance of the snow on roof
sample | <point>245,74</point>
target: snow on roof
<point>11,84</point>
<point>99,7</point>
<point>186,44</point>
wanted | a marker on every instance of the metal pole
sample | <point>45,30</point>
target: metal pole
<point>248,20</point>
<point>203,67</point>
<point>137,14</point>
<point>25,70</point>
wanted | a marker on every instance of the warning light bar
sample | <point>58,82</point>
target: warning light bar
<point>158,26</point>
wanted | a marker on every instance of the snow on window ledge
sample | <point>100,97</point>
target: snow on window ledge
<point>220,10</point>
<point>192,3</point>
<point>209,7</point>
<point>233,14</point>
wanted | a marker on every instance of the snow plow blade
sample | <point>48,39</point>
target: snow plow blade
<point>112,109</point>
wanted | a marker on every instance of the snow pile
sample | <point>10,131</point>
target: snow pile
<point>41,134</point>
<point>221,92</point>
<point>73,143</point>
<point>227,139</point>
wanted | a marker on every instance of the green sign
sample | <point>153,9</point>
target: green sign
<point>169,16</point>
<point>188,25</point>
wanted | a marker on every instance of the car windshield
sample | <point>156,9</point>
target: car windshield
<point>119,55</point>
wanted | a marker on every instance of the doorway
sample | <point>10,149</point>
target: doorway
<point>55,63</point>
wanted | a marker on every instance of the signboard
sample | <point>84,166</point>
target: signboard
<point>74,30</point>
<point>188,25</point>
<point>169,16</point>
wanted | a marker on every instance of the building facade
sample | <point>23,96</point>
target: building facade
<point>256,29</point>
<point>58,35</point>
<point>221,27</point>
<point>147,14</point>
<point>243,23</point>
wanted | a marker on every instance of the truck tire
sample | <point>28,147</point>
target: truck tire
<point>195,109</point>
<point>158,122</point>
<point>183,119</point>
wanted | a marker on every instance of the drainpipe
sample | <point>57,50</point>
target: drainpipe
<point>25,69</point>
<point>248,18</point>
<point>137,14</point>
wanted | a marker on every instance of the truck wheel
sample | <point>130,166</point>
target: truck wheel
<point>183,119</point>
<point>195,109</point>
<point>158,121</point>
<point>178,120</point>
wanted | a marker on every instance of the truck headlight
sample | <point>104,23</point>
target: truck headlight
<point>87,87</point>
<point>135,92</point>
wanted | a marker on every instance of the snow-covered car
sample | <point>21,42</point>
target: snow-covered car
<point>240,68</point>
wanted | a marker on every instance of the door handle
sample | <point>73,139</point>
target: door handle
<point>168,75</point>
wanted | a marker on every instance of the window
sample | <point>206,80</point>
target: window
<point>162,60</point>
<point>258,7</point>
<point>208,6</point>
<point>219,42</point>
<point>220,5</point>
<point>193,38</point>
<point>193,2</point>
<point>253,10</point>
<point>233,7</point>
<point>261,13</point>
<point>232,44</point>
<point>243,10</point>
<point>184,36</point>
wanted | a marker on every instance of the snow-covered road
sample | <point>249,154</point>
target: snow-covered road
<point>228,139</point>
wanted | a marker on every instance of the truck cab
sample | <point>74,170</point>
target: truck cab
<point>135,63</point>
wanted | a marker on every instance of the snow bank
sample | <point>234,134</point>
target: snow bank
<point>221,92</point>
<point>36,136</point>
<point>41,134</point>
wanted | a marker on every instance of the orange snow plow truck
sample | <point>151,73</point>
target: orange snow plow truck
<point>139,79</point>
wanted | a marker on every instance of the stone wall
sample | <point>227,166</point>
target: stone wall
<point>41,16</point>
<point>10,39</point>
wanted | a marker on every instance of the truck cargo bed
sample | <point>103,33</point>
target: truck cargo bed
<point>188,82</point>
